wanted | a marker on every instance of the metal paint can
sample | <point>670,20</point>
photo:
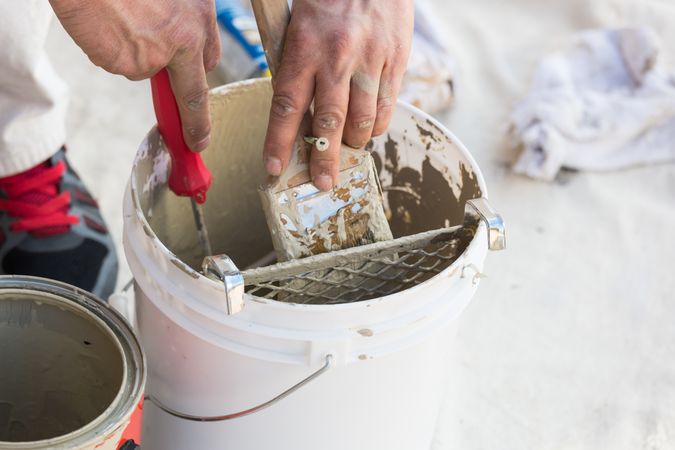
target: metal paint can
<point>72,373</point>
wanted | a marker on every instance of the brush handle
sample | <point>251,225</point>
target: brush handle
<point>272,17</point>
<point>189,175</point>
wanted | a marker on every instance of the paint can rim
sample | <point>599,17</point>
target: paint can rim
<point>130,393</point>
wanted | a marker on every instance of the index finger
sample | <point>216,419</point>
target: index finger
<point>188,81</point>
<point>293,89</point>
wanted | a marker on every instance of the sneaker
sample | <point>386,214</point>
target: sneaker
<point>51,227</point>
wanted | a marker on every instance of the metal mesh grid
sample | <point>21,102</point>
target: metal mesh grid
<point>370,277</point>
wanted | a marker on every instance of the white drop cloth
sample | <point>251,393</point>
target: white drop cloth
<point>600,104</point>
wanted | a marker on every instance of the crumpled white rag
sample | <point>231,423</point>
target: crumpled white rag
<point>601,104</point>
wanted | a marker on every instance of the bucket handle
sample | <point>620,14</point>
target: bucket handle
<point>327,365</point>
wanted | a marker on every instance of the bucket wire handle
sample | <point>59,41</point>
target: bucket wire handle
<point>327,365</point>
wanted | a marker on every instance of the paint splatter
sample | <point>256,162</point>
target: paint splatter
<point>420,201</point>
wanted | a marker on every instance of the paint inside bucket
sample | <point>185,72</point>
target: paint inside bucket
<point>64,369</point>
<point>425,180</point>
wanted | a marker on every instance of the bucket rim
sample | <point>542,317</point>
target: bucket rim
<point>213,284</point>
<point>132,386</point>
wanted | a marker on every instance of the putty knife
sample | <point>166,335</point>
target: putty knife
<point>303,220</point>
<point>189,176</point>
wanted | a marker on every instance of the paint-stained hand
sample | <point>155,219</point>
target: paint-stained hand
<point>137,38</point>
<point>349,56</point>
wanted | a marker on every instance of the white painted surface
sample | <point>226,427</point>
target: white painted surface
<point>569,342</point>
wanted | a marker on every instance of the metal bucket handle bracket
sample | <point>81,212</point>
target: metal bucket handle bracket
<point>323,369</point>
<point>221,267</point>
<point>496,229</point>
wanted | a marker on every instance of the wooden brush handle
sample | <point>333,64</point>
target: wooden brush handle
<point>272,17</point>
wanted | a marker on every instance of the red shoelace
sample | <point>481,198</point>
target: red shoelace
<point>33,198</point>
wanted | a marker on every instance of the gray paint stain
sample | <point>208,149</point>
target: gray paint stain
<point>425,200</point>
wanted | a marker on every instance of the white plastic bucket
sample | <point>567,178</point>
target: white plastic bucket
<point>380,366</point>
<point>71,371</point>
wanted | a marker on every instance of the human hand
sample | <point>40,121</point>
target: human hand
<point>137,38</point>
<point>350,57</point>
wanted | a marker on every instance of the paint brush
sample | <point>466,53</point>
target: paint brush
<point>189,176</point>
<point>303,220</point>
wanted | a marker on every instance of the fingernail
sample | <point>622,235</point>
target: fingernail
<point>273,166</point>
<point>201,145</point>
<point>359,145</point>
<point>323,182</point>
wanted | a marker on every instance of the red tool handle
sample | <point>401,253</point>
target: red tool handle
<point>189,176</point>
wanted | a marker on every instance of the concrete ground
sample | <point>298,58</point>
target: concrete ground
<point>570,342</point>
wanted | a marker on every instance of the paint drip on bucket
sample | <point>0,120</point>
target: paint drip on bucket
<point>73,372</point>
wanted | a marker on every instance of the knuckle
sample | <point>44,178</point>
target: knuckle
<point>372,48</point>
<point>137,73</point>
<point>401,47</point>
<point>300,41</point>
<point>130,71</point>
<point>329,119</point>
<point>130,66</point>
<point>196,100</point>
<point>154,61</point>
<point>284,106</point>
<point>114,67</point>
<point>362,122</point>
<point>342,43</point>
<point>135,77</point>
<point>399,58</point>
<point>188,41</point>
<point>323,162</point>
<point>293,69</point>
<point>114,63</point>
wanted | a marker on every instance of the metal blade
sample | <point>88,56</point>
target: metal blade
<point>202,233</point>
